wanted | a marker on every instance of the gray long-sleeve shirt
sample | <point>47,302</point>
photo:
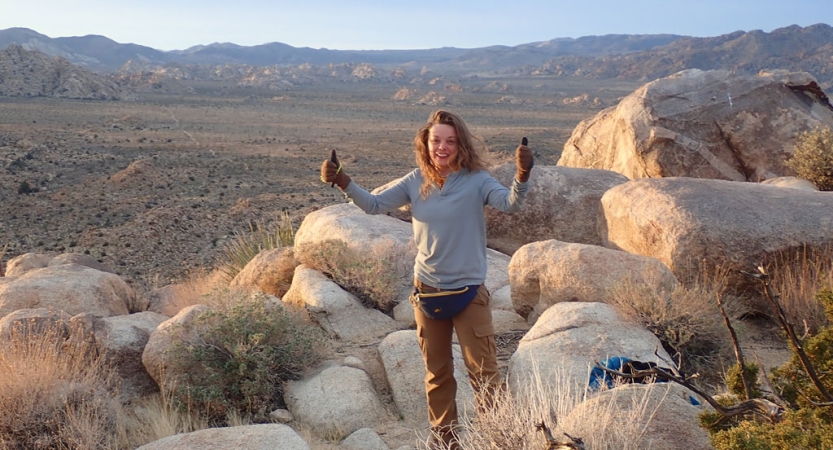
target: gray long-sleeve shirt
<point>449,225</point>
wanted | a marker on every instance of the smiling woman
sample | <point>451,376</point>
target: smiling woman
<point>448,194</point>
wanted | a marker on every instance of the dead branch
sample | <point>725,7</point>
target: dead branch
<point>738,351</point>
<point>758,406</point>
<point>763,276</point>
<point>575,443</point>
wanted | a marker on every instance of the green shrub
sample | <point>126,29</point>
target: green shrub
<point>734,382</point>
<point>245,246</point>
<point>243,354</point>
<point>813,158</point>
<point>808,423</point>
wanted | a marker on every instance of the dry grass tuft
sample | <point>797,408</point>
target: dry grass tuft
<point>798,276</point>
<point>261,236</point>
<point>374,277</point>
<point>57,392</point>
<point>170,299</point>
<point>686,320</point>
<point>511,423</point>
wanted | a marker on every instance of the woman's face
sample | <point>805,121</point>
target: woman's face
<point>442,146</point>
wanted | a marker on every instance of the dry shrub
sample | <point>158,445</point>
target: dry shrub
<point>798,276</point>
<point>510,424</point>
<point>375,276</point>
<point>56,392</point>
<point>813,157</point>
<point>687,320</point>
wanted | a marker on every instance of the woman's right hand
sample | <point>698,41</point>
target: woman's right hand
<point>333,172</point>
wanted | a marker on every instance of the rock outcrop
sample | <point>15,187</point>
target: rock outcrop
<point>694,225</point>
<point>30,73</point>
<point>703,124</point>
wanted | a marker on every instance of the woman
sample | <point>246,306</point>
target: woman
<point>448,193</point>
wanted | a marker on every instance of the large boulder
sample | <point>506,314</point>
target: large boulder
<point>248,437</point>
<point>368,235</point>
<point>703,124</point>
<point>562,203</point>
<point>29,261</point>
<point>335,310</point>
<point>694,225</point>
<point>121,340</point>
<point>270,272</point>
<point>71,288</point>
<point>549,272</point>
<point>570,338</point>
<point>338,400</point>
<point>34,322</point>
<point>159,357</point>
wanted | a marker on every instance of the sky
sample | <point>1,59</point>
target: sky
<point>401,24</point>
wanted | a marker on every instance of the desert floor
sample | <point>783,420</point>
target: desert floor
<point>155,187</point>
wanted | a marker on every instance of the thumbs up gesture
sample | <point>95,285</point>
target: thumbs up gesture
<point>333,172</point>
<point>524,161</point>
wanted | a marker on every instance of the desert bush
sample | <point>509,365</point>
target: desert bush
<point>261,236</point>
<point>372,276</point>
<point>798,276</point>
<point>687,320</point>
<point>243,354</point>
<point>56,393</point>
<point>808,421</point>
<point>813,157</point>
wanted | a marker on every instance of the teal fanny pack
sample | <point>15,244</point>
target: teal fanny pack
<point>443,305</point>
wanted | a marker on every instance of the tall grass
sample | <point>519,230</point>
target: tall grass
<point>686,320</point>
<point>511,423</point>
<point>261,236</point>
<point>56,392</point>
<point>798,276</point>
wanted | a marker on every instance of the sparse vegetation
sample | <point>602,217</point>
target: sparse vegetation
<point>372,276</point>
<point>278,233</point>
<point>687,320</point>
<point>806,421</point>
<point>798,276</point>
<point>511,424</point>
<point>57,393</point>
<point>243,354</point>
<point>813,157</point>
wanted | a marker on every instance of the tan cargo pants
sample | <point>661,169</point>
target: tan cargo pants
<point>476,335</point>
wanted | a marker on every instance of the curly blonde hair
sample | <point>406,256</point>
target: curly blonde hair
<point>468,151</point>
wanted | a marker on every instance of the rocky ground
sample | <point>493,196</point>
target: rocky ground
<point>156,187</point>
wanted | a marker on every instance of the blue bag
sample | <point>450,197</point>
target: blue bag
<point>443,305</point>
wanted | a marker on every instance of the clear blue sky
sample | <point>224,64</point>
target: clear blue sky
<point>400,24</point>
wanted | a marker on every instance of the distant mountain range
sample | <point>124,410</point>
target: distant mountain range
<point>611,56</point>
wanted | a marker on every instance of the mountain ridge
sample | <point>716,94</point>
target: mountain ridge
<point>638,57</point>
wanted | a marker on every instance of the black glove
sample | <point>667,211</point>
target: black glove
<point>524,161</point>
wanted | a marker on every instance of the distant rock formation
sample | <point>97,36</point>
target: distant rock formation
<point>25,73</point>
